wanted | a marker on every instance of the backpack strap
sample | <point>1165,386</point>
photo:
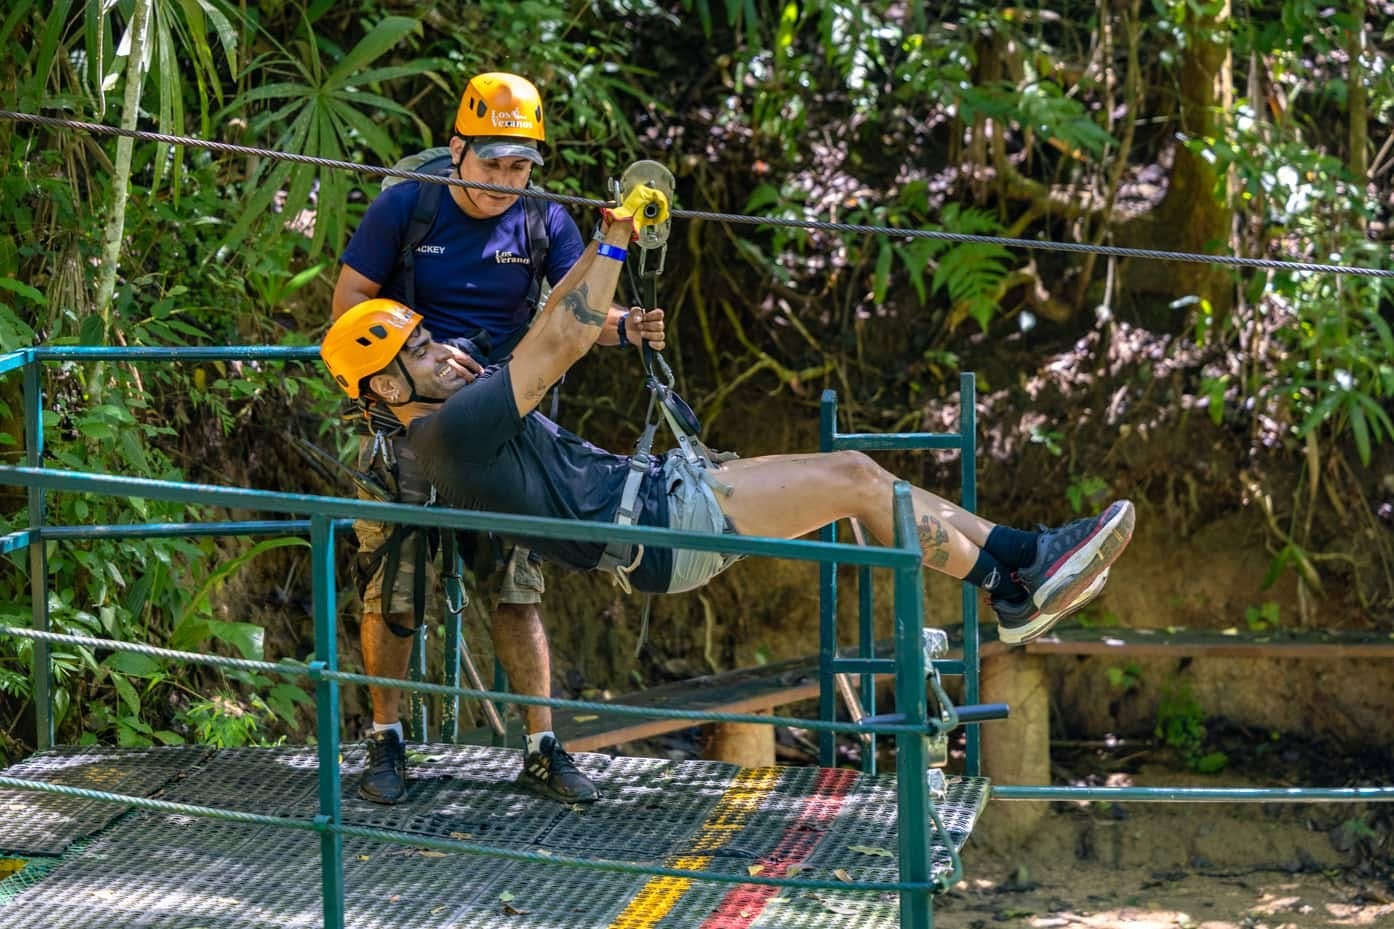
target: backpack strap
<point>535,214</point>
<point>423,216</point>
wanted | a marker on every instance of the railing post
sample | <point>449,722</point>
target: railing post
<point>38,554</point>
<point>827,601</point>
<point>454,597</point>
<point>325,592</point>
<point>501,687</point>
<point>968,481</point>
<point>912,760</point>
<point>420,707</point>
<point>866,648</point>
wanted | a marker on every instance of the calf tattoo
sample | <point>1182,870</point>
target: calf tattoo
<point>934,541</point>
<point>577,303</point>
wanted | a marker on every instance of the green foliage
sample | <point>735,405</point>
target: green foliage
<point>1261,618</point>
<point>75,54</point>
<point>229,721</point>
<point>1333,374</point>
<point>179,39</point>
<point>304,105</point>
<point>147,590</point>
<point>1124,677</point>
<point>1050,438</point>
<point>14,331</point>
<point>1181,726</point>
<point>1086,490</point>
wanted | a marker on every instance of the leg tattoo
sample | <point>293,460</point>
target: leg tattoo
<point>934,540</point>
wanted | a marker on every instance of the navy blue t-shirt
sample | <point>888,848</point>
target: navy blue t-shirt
<point>482,455</point>
<point>471,274</point>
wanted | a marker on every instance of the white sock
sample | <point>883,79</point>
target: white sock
<point>533,741</point>
<point>395,727</point>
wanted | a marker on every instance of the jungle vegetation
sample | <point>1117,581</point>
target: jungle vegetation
<point>1262,128</point>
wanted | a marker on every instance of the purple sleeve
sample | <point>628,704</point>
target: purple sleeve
<point>373,250</point>
<point>565,245</point>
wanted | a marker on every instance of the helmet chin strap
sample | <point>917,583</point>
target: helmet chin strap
<point>413,397</point>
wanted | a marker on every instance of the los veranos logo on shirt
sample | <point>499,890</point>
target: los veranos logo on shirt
<point>500,257</point>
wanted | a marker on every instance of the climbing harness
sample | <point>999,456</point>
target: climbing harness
<point>327,465</point>
<point>665,405</point>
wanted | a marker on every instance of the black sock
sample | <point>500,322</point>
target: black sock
<point>1015,548</point>
<point>989,574</point>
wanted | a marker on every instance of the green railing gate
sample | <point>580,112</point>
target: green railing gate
<point>324,516</point>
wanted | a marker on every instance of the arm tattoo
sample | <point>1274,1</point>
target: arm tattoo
<point>934,539</point>
<point>537,391</point>
<point>577,302</point>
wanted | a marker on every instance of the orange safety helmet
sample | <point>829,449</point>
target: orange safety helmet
<point>364,341</point>
<point>501,115</point>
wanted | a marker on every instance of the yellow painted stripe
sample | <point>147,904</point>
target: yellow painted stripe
<point>732,812</point>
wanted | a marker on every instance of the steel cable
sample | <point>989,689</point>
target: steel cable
<point>1272,264</point>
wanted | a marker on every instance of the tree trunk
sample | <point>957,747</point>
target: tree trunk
<point>1195,215</point>
<point>1357,110</point>
<point>136,64</point>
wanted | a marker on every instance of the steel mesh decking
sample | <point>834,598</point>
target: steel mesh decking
<point>46,824</point>
<point>154,870</point>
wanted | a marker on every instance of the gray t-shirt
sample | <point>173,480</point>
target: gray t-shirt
<point>482,455</point>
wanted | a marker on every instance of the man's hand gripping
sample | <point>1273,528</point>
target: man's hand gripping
<point>644,206</point>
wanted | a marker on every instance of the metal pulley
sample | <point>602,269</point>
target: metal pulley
<point>654,236</point>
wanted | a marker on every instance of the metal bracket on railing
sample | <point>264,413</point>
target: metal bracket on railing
<point>936,645</point>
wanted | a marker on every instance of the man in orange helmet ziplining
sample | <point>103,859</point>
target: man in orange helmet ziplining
<point>485,446</point>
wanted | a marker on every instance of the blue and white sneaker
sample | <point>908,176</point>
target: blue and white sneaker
<point>1070,559</point>
<point>1021,622</point>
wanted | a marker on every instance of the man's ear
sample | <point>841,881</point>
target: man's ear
<point>387,387</point>
<point>458,146</point>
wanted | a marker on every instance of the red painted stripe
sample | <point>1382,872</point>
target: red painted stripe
<point>744,903</point>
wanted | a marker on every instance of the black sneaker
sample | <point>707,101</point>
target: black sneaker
<point>385,776</point>
<point>553,773</point>
<point>1070,559</point>
<point>1021,621</point>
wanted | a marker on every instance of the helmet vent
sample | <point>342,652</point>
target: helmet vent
<point>481,109</point>
<point>378,330</point>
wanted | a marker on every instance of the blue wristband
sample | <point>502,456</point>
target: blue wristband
<point>624,336</point>
<point>606,250</point>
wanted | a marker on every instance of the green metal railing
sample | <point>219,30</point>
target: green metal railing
<point>322,517</point>
<point>865,665</point>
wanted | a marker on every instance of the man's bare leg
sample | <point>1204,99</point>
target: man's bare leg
<point>385,654</point>
<point>786,496</point>
<point>520,642</point>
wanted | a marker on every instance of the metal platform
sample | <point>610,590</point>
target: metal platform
<point>94,865</point>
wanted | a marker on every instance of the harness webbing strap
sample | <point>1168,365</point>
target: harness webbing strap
<point>620,558</point>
